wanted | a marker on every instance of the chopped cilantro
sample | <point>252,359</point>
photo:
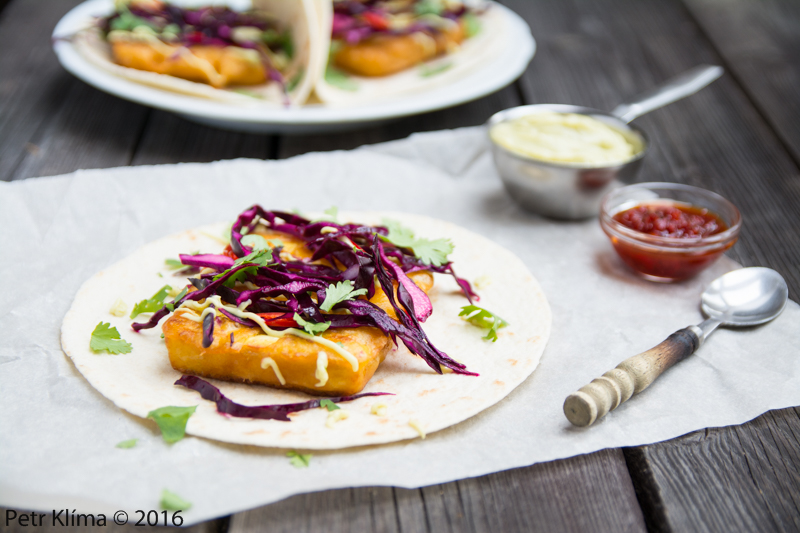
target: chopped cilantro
<point>426,71</point>
<point>104,337</point>
<point>429,7</point>
<point>256,242</point>
<point>127,21</point>
<point>172,421</point>
<point>472,25</point>
<point>172,502</point>
<point>329,405</point>
<point>299,460</point>
<point>125,444</point>
<point>152,304</point>
<point>340,80</point>
<point>310,327</point>
<point>431,252</point>
<point>251,94</point>
<point>174,264</point>
<point>292,84</point>
<point>340,292</point>
<point>482,318</point>
<point>261,257</point>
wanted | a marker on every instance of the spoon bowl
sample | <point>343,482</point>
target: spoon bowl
<point>745,297</point>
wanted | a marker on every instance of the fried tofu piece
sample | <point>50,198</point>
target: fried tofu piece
<point>382,55</point>
<point>215,65</point>
<point>241,353</point>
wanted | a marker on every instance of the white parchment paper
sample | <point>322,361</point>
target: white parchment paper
<point>58,435</point>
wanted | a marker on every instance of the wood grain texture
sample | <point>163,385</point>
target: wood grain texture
<point>47,525</point>
<point>753,486</point>
<point>470,114</point>
<point>168,138</point>
<point>716,139</point>
<point>760,43</point>
<point>582,494</point>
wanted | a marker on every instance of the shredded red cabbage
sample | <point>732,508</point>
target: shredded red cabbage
<point>355,253</point>
<point>265,412</point>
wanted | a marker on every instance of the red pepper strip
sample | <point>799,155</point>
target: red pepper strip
<point>229,253</point>
<point>376,21</point>
<point>279,320</point>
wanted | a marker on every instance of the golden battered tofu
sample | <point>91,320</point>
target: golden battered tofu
<point>215,65</point>
<point>382,55</point>
<point>252,356</point>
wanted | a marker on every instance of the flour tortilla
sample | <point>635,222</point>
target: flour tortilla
<point>478,50</point>
<point>142,380</point>
<point>298,15</point>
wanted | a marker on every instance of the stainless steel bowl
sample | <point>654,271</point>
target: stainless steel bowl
<point>574,191</point>
<point>567,191</point>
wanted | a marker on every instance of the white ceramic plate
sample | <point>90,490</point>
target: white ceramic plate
<point>518,45</point>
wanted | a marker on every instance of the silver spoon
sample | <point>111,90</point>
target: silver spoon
<point>744,297</point>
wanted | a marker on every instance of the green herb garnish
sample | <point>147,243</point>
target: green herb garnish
<point>310,327</point>
<point>299,460</point>
<point>152,304</point>
<point>426,71</point>
<point>104,337</point>
<point>431,252</point>
<point>338,78</point>
<point>482,318</point>
<point>172,502</point>
<point>329,405</point>
<point>472,25</point>
<point>125,444</point>
<point>172,421</point>
<point>256,242</point>
<point>429,7</point>
<point>340,292</point>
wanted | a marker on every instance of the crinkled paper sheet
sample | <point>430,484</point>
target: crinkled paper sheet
<point>57,445</point>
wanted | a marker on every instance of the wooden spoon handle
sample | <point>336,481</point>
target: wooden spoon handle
<point>630,377</point>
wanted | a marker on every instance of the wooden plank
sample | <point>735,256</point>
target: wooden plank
<point>470,114</point>
<point>582,494</point>
<point>730,479</point>
<point>13,523</point>
<point>760,43</point>
<point>752,487</point>
<point>168,138</point>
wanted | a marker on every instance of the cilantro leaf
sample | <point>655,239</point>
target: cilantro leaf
<point>310,327</point>
<point>174,264</point>
<point>130,443</point>
<point>256,242</point>
<point>329,405</point>
<point>172,421</point>
<point>340,292</point>
<point>261,257</point>
<point>104,337</point>
<point>171,305</point>
<point>431,252</point>
<point>482,318</point>
<point>172,502</point>
<point>426,71</point>
<point>299,460</point>
<point>472,25</point>
<point>152,304</point>
<point>339,79</point>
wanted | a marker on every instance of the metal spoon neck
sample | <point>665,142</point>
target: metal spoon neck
<point>706,328</point>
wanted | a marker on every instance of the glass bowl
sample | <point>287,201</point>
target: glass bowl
<point>668,259</point>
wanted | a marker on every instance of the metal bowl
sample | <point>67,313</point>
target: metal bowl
<point>564,191</point>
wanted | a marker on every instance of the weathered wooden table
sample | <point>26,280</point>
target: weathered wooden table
<point>739,137</point>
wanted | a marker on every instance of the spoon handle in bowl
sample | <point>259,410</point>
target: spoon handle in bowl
<point>630,377</point>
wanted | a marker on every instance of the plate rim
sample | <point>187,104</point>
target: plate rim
<point>490,78</point>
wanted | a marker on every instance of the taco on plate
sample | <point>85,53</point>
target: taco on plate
<point>269,53</point>
<point>380,49</point>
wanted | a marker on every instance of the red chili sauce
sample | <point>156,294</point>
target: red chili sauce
<point>683,223</point>
<point>672,220</point>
